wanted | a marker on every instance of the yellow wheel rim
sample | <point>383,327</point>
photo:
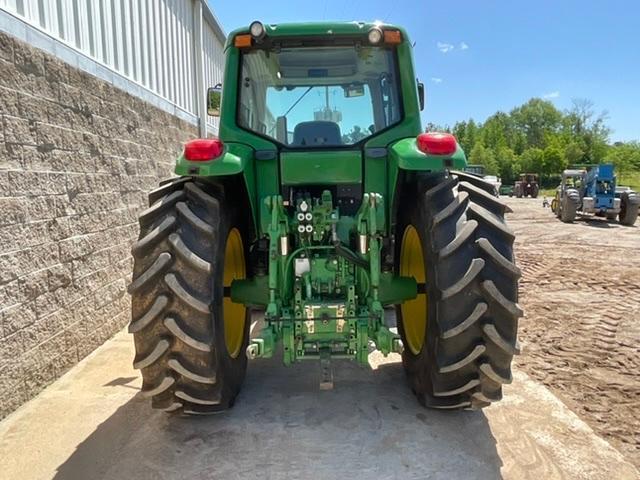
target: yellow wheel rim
<point>414,312</point>
<point>234,314</point>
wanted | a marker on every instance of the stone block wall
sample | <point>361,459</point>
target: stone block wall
<point>77,156</point>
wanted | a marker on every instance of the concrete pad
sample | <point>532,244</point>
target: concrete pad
<point>92,424</point>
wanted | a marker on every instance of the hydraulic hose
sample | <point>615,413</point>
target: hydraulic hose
<point>350,256</point>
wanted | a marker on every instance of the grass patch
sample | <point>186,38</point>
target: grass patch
<point>631,179</point>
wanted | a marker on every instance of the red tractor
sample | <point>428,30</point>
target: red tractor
<point>526,186</point>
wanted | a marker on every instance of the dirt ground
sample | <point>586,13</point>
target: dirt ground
<point>580,335</point>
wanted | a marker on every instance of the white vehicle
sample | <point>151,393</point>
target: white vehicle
<point>493,180</point>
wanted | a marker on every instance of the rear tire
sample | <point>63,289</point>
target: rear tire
<point>629,206</point>
<point>471,293</point>
<point>518,191</point>
<point>534,191</point>
<point>177,309</point>
<point>569,206</point>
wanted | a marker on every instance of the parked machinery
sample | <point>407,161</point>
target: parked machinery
<point>526,186</point>
<point>568,198</point>
<point>592,191</point>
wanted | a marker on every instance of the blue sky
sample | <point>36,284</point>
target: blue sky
<point>476,57</point>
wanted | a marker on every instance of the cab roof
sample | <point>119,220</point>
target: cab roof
<point>305,29</point>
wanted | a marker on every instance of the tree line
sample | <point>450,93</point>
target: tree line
<point>536,137</point>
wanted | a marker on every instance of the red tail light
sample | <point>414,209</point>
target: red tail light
<point>436,143</point>
<point>203,149</point>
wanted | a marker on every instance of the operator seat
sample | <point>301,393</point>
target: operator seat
<point>317,133</point>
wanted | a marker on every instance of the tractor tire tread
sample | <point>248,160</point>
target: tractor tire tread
<point>150,315</point>
<point>181,292</point>
<point>160,264</point>
<point>485,198</point>
<point>153,237</point>
<point>177,350</point>
<point>165,189</point>
<point>196,222</point>
<point>477,313</point>
<point>164,385</point>
<point>477,182</point>
<point>187,255</point>
<point>477,264</point>
<point>475,353</point>
<point>465,234</point>
<point>474,296</point>
<point>458,203</point>
<point>499,260</point>
<point>166,203</point>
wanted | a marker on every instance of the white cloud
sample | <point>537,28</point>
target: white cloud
<point>445,47</point>
<point>436,80</point>
<point>463,46</point>
<point>550,95</point>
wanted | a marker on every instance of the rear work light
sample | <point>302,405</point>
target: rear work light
<point>203,149</point>
<point>257,30</point>
<point>436,143</point>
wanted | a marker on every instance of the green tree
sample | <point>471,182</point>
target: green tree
<point>434,127</point>
<point>495,130</point>
<point>532,161</point>
<point>554,160</point>
<point>625,157</point>
<point>536,137</point>
<point>589,129</point>
<point>536,119</point>
<point>508,166</point>
<point>573,153</point>
<point>466,133</point>
<point>484,156</point>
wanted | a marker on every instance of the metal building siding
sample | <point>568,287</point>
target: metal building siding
<point>150,42</point>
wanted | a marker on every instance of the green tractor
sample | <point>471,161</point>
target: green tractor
<point>323,210</point>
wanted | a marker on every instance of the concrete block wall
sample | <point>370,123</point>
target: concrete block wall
<point>77,156</point>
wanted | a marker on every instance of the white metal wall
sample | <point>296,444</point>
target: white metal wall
<point>153,43</point>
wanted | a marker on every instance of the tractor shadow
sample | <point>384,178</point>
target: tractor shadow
<point>600,223</point>
<point>283,426</point>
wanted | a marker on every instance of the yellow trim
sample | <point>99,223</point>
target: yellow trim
<point>234,314</point>
<point>414,312</point>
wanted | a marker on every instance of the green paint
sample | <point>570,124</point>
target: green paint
<point>321,168</point>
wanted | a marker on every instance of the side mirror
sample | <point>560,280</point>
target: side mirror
<point>421,95</point>
<point>214,98</point>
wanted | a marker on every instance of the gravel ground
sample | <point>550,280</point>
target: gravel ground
<point>581,329</point>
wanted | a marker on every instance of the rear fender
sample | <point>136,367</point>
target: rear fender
<point>237,160</point>
<point>405,155</point>
<point>405,158</point>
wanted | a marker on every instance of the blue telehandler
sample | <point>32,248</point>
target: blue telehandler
<point>592,191</point>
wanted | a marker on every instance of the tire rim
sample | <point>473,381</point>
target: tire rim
<point>234,314</point>
<point>414,312</point>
